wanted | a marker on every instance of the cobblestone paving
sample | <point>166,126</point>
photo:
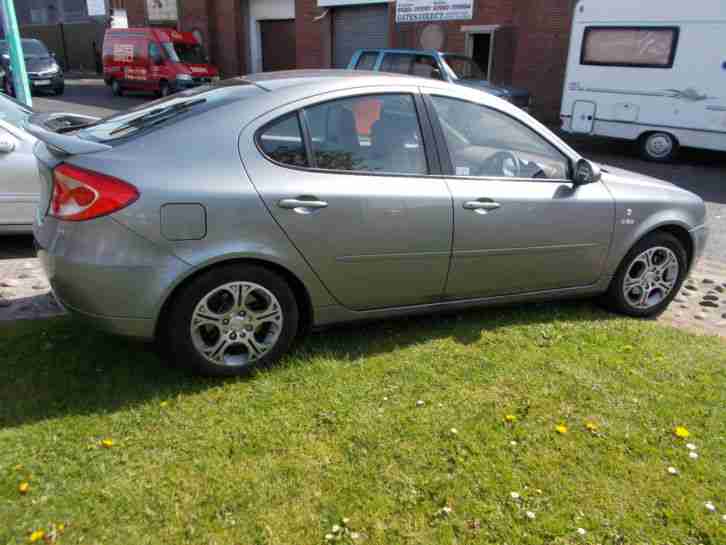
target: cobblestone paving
<point>700,306</point>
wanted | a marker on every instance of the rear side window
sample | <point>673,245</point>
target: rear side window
<point>282,141</point>
<point>425,66</point>
<point>367,61</point>
<point>644,47</point>
<point>399,63</point>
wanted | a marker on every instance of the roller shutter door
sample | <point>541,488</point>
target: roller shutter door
<point>358,27</point>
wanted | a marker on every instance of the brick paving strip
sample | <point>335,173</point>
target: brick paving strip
<point>700,306</point>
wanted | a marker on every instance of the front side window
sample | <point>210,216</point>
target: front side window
<point>652,47</point>
<point>464,67</point>
<point>398,63</point>
<point>372,133</point>
<point>484,142</point>
<point>425,66</point>
<point>282,141</point>
<point>185,53</point>
<point>367,61</point>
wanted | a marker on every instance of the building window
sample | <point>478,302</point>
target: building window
<point>644,47</point>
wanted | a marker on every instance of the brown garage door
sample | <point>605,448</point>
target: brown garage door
<point>278,45</point>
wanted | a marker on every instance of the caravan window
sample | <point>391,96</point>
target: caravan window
<point>646,47</point>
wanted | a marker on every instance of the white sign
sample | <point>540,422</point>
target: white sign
<point>161,10</point>
<point>332,3</point>
<point>412,11</point>
<point>96,8</point>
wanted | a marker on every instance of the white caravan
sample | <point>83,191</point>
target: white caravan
<point>652,71</point>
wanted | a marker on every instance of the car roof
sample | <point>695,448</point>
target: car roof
<point>307,80</point>
<point>407,51</point>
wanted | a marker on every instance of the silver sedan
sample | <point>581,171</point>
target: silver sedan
<point>227,220</point>
<point>19,184</point>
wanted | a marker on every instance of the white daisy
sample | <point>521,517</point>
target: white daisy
<point>581,531</point>
<point>530,515</point>
<point>710,506</point>
<point>514,495</point>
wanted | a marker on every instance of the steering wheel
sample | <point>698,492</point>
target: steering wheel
<point>502,163</point>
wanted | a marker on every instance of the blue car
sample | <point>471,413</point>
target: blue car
<point>429,63</point>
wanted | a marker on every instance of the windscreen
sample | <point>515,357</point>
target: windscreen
<point>34,48</point>
<point>167,111</point>
<point>464,67</point>
<point>185,53</point>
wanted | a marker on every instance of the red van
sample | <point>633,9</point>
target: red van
<point>161,60</point>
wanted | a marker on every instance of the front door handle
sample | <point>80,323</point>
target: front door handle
<point>302,204</point>
<point>482,205</point>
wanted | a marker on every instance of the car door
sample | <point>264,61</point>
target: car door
<point>19,184</point>
<point>520,224</point>
<point>361,201</point>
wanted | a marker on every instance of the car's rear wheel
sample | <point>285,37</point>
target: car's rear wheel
<point>164,90</point>
<point>116,88</point>
<point>658,146</point>
<point>649,277</point>
<point>231,320</point>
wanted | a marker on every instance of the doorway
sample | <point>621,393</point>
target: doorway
<point>481,51</point>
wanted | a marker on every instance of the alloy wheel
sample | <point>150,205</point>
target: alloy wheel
<point>236,324</point>
<point>651,277</point>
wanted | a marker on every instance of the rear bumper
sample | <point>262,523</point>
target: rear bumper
<point>105,273</point>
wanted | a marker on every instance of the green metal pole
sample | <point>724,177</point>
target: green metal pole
<point>17,61</point>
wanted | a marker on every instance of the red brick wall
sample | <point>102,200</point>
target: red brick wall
<point>541,57</point>
<point>313,37</point>
<point>540,37</point>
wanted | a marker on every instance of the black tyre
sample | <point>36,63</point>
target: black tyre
<point>116,88</point>
<point>649,276</point>
<point>231,320</point>
<point>660,147</point>
<point>164,89</point>
<point>59,90</point>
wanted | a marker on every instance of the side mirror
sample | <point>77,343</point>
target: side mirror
<point>7,145</point>
<point>586,172</point>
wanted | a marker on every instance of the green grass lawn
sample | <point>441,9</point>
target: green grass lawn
<point>398,426</point>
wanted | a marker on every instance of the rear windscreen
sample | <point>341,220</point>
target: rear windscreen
<point>167,111</point>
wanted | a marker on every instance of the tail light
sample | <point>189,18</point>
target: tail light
<point>80,194</point>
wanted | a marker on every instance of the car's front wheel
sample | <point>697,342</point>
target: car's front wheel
<point>231,320</point>
<point>649,277</point>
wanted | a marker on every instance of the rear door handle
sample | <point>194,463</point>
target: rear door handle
<point>292,204</point>
<point>482,204</point>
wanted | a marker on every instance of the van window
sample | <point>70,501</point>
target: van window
<point>645,47</point>
<point>367,61</point>
<point>154,52</point>
<point>185,53</point>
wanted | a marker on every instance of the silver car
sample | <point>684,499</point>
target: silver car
<point>19,184</point>
<point>227,220</point>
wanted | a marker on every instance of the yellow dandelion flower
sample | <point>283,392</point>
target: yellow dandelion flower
<point>61,527</point>
<point>163,404</point>
<point>24,487</point>
<point>511,418</point>
<point>561,428</point>
<point>591,426</point>
<point>107,443</point>
<point>36,536</point>
<point>18,467</point>
<point>681,432</point>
